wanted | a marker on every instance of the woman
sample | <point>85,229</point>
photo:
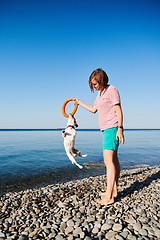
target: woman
<point>110,115</point>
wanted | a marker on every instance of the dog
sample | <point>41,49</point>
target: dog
<point>69,135</point>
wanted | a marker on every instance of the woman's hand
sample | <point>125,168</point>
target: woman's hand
<point>120,136</point>
<point>76,101</point>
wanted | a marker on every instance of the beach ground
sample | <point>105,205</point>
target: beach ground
<point>69,210</point>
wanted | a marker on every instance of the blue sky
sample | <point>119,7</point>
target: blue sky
<point>48,50</point>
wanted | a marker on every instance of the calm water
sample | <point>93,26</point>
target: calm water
<point>28,157</point>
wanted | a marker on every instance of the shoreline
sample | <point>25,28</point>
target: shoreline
<point>69,210</point>
<point>59,175</point>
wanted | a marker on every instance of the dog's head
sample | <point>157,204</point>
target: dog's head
<point>72,121</point>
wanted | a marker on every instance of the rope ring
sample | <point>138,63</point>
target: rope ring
<point>64,105</point>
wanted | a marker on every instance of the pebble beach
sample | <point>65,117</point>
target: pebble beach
<point>69,210</point>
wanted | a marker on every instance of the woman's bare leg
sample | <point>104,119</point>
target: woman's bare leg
<point>117,167</point>
<point>113,171</point>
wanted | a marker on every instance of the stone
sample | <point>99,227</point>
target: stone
<point>95,230</point>
<point>88,238</point>
<point>2,235</point>
<point>130,220</point>
<point>63,226</point>
<point>68,230</point>
<point>137,226</point>
<point>52,235</point>
<point>117,227</point>
<point>78,232</point>
<point>143,232</point>
<point>23,237</point>
<point>106,226</point>
<point>90,219</point>
<point>70,237</point>
<point>131,237</point>
<point>70,223</point>
<point>157,232</point>
<point>110,234</point>
<point>62,205</point>
<point>32,234</point>
<point>119,237</point>
<point>82,209</point>
<point>59,237</point>
<point>124,234</point>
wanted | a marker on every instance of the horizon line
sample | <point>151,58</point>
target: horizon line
<point>59,129</point>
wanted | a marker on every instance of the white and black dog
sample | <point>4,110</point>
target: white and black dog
<point>69,135</point>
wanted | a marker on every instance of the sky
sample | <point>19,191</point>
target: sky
<point>48,49</point>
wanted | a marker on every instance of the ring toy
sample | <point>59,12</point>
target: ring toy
<point>64,105</point>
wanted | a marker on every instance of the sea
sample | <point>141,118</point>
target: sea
<point>36,157</point>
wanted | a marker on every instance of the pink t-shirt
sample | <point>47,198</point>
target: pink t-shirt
<point>105,102</point>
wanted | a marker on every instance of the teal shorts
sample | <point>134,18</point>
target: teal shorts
<point>109,139</point>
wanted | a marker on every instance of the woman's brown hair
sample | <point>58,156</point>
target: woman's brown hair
<point>100,76</point>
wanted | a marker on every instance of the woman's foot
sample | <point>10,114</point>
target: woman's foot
<point>115,194</point>
<point>105,201</point>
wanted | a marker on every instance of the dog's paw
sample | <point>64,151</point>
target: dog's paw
<point>63,133</point>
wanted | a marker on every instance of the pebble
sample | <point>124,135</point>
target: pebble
<point>137,226</point>
<point>69,230</point>
<point>70,223</point>
<point>110,234</point>
<point>143,232</point>
<point>2,235</point>
<point>117,227</point>
<point>59,237</point>
<point>118,237</point>
<point>69,210</point>
<point>106,226</point>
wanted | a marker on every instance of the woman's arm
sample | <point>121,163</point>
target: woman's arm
<point>90,108</point>
<point>119,113</point>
